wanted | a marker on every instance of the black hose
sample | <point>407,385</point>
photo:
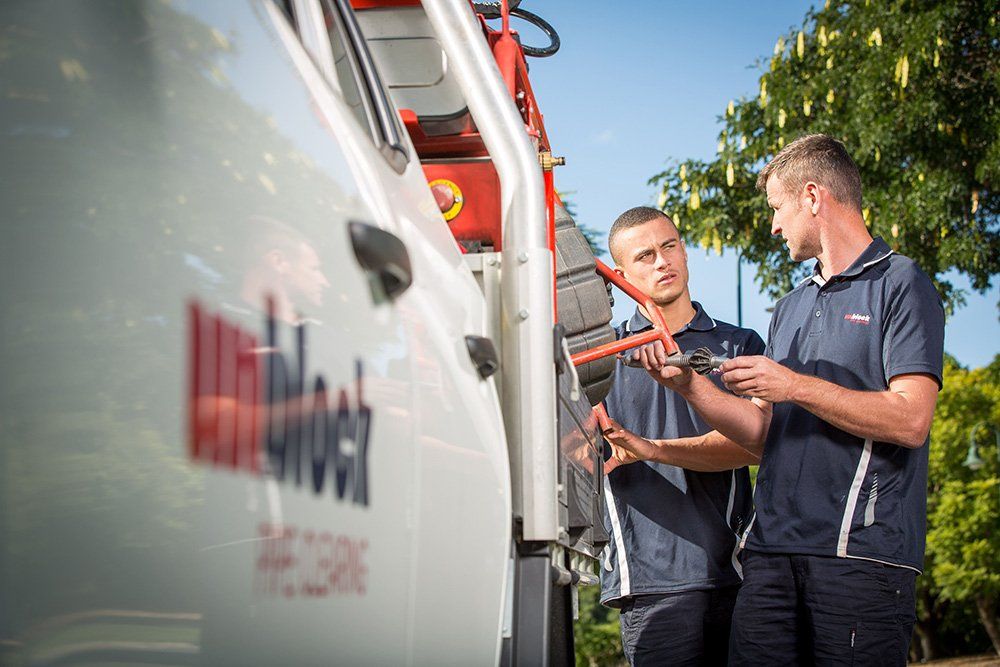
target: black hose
<point>492,10</point>
<point>542,25</point>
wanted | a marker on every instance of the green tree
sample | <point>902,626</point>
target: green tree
<point>913,89</point>
<point>597,634</point>
<point>592,235</point>
<point>963,542</point>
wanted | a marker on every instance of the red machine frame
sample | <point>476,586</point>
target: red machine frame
<point>465,151</point>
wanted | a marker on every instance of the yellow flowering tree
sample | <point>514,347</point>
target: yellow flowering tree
<point>913,89</point>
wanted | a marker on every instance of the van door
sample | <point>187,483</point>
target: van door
<point>206,416</point>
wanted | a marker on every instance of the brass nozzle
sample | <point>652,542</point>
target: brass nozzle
<point>546,159</point>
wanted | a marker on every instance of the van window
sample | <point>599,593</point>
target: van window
<point>350,82</point>
<point>352,60</point>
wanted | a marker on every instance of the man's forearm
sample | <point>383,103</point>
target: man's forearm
<point>711,452</point>
<point>885,416</point>
<point>741,421</point>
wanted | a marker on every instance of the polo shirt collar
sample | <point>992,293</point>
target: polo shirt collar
<point>876,251</point>
<point>700,322</point>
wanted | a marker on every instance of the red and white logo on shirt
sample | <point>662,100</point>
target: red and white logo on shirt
<point>858,319</point>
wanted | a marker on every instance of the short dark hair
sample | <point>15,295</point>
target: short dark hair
<point>635,216</point>
<point>819,158</point>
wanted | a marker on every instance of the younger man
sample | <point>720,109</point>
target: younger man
<point>671,565</point>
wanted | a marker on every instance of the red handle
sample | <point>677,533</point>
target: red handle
<point>659,331</point>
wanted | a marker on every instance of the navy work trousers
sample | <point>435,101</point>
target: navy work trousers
<point>685,628</point>
<point>818,610</point>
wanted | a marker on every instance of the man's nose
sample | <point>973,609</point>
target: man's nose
<point>661,260</point>
<point>775,227</point>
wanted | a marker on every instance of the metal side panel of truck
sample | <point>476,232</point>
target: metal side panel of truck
<point>195,201</point>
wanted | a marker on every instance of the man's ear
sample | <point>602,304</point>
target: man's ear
<point>811,196</point>
<point>620,272</point>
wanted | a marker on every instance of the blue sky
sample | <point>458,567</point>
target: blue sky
<point>637,84</point>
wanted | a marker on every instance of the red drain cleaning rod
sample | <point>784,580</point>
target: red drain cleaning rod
<point>701,361</point>
<point>603,420</point>
<point>658,332</point>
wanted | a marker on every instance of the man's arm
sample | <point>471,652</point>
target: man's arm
<point>900,415</point>
<point>711,452</point>
<point>737,419</point>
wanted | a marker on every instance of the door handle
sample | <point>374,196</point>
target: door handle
<point>383,256</point>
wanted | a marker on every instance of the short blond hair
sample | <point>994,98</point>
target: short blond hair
<point>819,158</point>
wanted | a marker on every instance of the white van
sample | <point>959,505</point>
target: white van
<point>248,412</point>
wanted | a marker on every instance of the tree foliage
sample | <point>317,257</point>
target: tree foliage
<point>591,235</point>
<point>912,87</point>
<point>597,633</point>
<point>963,543</point>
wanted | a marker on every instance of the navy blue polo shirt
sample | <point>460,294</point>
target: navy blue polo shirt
<point>820,490</point>
<point>672,529</point>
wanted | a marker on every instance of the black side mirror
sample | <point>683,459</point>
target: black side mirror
<point>383,256</point>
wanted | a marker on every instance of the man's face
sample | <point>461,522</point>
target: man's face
<point>793,220</point>
<point>304,277</point>
<point>652,257</point>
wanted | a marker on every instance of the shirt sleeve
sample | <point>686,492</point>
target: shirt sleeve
<point>913,328</point>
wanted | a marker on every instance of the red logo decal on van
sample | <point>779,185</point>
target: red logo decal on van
<point>225,375</point>
<point>245,399</point>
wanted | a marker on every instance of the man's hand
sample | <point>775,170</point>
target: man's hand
<point>619,457</point>
<point>759,377</point>
<point>652,357</point>
<point>626,447</point>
